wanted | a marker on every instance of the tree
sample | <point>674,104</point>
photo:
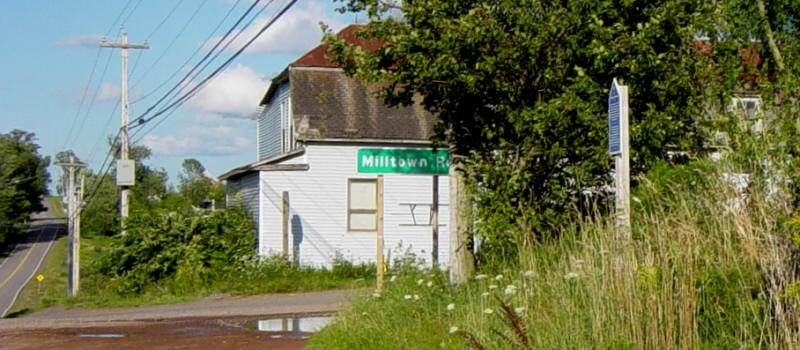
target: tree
<point>23,181</point>
<point>196,186</point>
<point>520,91</point>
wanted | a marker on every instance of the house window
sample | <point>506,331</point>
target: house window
<point>287,137</point>
<point>362,205</point>
<point>748,107</point>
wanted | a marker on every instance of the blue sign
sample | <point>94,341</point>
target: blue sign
<point>614,112</point>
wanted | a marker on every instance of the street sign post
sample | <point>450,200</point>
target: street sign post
<point>619,149</point>
<point>408,161</point>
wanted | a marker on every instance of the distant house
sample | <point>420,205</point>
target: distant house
<point>322,140</point>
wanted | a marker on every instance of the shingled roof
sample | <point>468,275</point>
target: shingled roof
<point>328,104</point>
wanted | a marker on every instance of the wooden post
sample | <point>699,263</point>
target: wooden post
<point>435,222</point>
<point>619,148</point>
<point>77,245</point>
<point>379,234</point>
<point>461,259</point>
<point>285,223</point>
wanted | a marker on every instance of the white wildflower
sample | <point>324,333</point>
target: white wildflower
<point>452,329</point>
<point>416,297</point>
<point>393,278</point>
<point>420,281</point>
<point>511,289</point>
<point>451,307</point>
<point>407,297</point>
<point>429,284</point>
<point>481,277</point>
<point>485,294</point>
<point>498,277</point>
<point>493,286</point>
<point>571,275</point>
<point>519,310</point>
<point>488,311</point>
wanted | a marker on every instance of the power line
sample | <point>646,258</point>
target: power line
<point>185,63</point>
<point>197,64</point>
<point>141,120</point>
<point>83,99</point>
<point>218,52</point>
<point>174,40</point>
<point>91,102</point>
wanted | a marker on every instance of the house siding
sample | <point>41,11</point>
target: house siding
<point>269,124</point>
<point>318,211</point>
<point>246,187</point>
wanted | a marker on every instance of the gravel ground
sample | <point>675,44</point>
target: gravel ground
<point>216,333</point>
<point>215,307</point>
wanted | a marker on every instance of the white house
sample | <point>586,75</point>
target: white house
<point>323,140</point>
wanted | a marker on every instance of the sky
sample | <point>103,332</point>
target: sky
<point>56,82</point>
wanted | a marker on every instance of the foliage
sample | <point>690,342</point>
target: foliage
<point>23,182</point>
<point>700,273</point>
<point>520,90</point>
<point>196,186</point>
<point>169,246</point>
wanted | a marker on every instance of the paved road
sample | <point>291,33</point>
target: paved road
<point>220,307</point>
<point>20,266</point>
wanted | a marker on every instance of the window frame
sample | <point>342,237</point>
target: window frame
<point>350,210</point>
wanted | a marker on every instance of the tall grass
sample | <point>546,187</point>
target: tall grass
<point>705,266</point>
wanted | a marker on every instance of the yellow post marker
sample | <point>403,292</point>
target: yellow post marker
<point>39,279</point>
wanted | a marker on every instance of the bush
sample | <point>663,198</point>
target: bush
<point>185,249</point>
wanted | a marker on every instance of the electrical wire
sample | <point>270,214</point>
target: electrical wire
<point>169,46</point>
<point>188,74</point>
<point>199,86</point>
<point>185,63</point>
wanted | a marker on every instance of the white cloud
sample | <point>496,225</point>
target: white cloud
<point>236,90</point>
<point>82,41</point>
<point>297,31</point>
<point>108,92</point>
<point>218,140</point>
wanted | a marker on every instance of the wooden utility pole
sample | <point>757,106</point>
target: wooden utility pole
<point>435,222</point>
<point>285,224</point>
<point>461,259</point>
<point>379,234</point>
<point>73,222</point>
<point>124,164</point>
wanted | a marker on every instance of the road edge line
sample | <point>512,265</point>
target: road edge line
<point>38,266</point>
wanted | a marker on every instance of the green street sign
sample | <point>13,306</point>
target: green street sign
<point>419,161</point>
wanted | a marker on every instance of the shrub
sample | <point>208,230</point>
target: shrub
<point>186,249</point>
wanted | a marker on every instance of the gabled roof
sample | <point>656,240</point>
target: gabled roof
<point>318,57</point>
<point>328,104</point>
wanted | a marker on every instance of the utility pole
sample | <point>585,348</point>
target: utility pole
<point>73,213</point>
<point>125,167</point>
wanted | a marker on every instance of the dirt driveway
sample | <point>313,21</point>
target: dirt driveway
<point>287,320</point>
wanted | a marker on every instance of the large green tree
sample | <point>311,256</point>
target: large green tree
<point>520,90</point>
<point>23,182</point>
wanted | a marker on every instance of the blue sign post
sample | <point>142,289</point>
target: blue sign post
<point>619,149</point>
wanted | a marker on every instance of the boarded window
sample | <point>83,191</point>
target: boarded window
<point>362,205</point>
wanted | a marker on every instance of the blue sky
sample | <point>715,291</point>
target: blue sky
<point>49,51</point>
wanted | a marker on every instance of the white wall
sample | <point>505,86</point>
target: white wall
<point>318,201</point>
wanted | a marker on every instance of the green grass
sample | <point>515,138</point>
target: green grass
<point>58,208</point>
<point>269,277</point>
<point>39,295</point>
<point>698,274</point>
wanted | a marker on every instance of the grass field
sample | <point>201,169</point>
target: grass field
<point>702,270</point>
